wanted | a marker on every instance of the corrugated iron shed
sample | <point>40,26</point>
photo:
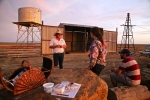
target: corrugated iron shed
<point>77,37</point>
<point>76,27</point>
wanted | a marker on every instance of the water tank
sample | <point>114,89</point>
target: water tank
<point>29,14</point>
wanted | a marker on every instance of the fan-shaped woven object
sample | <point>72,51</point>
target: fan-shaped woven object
<point>29,80</point>
<point>25,78</point>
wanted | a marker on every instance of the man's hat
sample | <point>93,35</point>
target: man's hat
<point>124,51</point>
<point>58,32</point>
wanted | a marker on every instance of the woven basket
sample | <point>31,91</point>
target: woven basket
<point>30,79</point>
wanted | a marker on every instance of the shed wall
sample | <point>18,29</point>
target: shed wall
<point>76,41</point>
<point>110,37</point>
<point>47,35</point>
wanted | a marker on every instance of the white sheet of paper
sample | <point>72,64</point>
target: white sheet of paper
<point>71,94</point>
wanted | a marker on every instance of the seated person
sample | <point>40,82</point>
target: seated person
<point>15,76</point>
<point>128,72</point>
<point>17,73</point>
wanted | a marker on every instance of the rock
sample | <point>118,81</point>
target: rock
<point>129,93</point>
<point>92,88</point>
<point>146,78</point>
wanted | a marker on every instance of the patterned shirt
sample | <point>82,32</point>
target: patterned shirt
<point>97,53</point>
<point>132,70</point>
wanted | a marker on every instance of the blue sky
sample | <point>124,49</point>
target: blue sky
<point>108,14</point>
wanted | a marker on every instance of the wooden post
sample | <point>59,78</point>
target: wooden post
<point>85,40</point>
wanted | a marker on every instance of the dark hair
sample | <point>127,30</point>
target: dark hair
<point>125,51</point>
<point>99,34</point>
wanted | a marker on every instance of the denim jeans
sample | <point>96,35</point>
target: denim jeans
<point>58,58</point>
<point>97,69</point>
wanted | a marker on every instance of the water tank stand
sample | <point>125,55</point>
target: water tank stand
<point>29,33</point>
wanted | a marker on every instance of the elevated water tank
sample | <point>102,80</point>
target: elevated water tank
<point>29,14</point>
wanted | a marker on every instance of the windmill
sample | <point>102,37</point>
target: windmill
<point>127,37</point>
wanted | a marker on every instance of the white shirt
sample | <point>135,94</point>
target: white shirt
<point>55,42</point>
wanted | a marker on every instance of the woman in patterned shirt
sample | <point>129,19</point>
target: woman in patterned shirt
<point>97,51</point>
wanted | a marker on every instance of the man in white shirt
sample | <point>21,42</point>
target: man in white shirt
<point>58,44</point>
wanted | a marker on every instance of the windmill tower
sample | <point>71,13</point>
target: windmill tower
<point>29,27</point>
<point>127,37</point>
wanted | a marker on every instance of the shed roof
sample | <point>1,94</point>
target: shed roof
<point>76,27</point>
